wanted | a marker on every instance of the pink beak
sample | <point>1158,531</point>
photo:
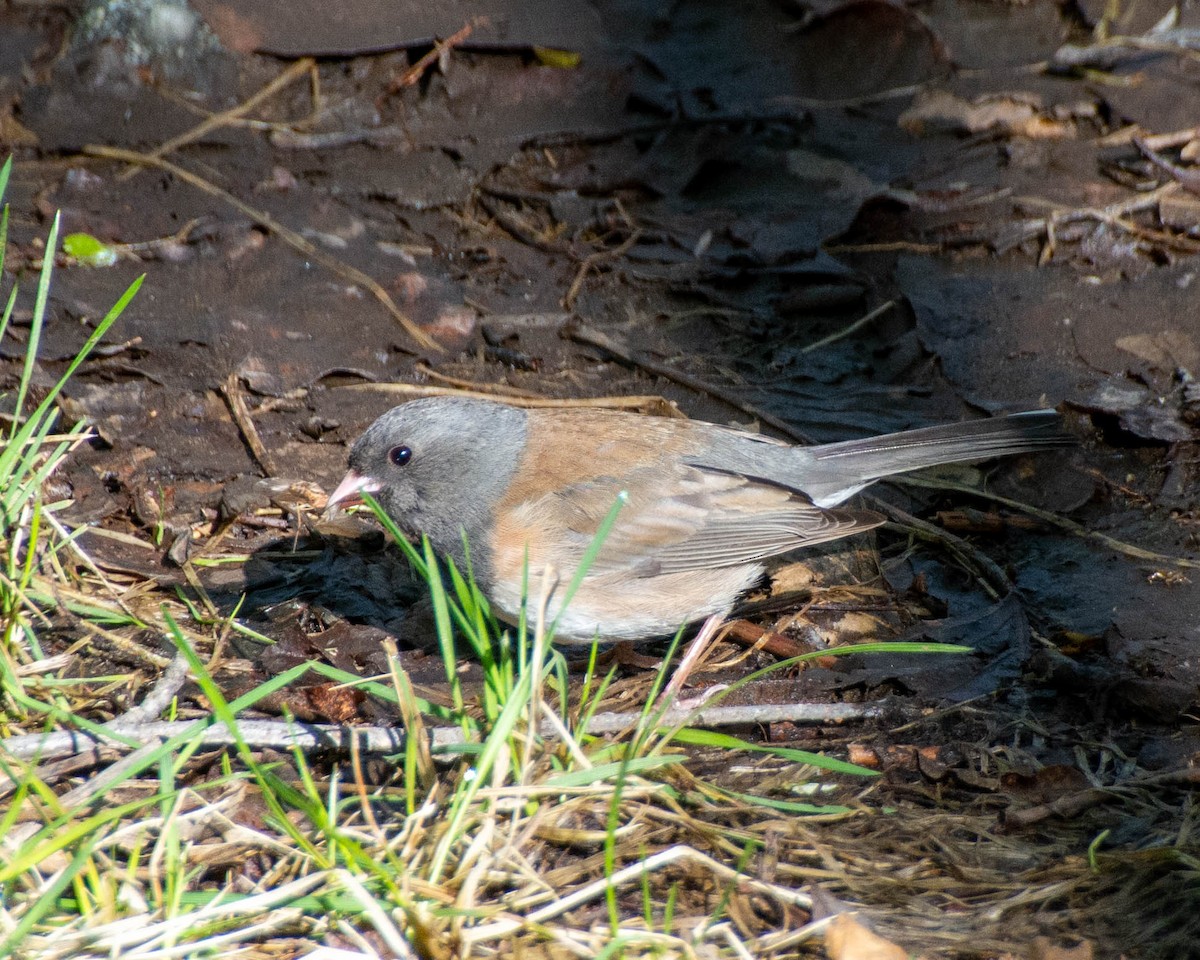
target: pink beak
<point>350,490</point>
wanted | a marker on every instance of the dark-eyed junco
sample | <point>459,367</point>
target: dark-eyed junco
<point>706,504</point>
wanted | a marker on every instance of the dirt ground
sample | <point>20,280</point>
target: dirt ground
<point>700,202</point>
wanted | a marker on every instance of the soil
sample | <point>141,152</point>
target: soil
<point>721,190</point>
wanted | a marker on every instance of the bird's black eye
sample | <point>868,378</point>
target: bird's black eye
<point>400,455</point>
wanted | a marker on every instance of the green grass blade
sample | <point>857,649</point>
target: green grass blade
<point>712,738</point>
<point>4,172</point>
<point>589,556</point>
<point>39,316</point>
<point>46,900</point>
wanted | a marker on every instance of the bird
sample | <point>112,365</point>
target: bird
<point>701,506</point>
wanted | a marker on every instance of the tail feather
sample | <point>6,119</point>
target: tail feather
<point>851,465</point>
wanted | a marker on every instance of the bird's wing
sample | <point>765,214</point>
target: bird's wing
<point>709,519</point>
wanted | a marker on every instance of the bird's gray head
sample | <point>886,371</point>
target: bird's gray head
<point>439,465</point>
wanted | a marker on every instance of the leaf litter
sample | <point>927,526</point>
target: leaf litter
<point>716,192</point>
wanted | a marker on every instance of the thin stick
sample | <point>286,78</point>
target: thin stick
<point>161,694</point>
<point>591,260</point>
<point>499,389</point>
<point>995,582</point>
<point>225,117</point>
<point>594,338</point>
<point>154,703</point>
<point>658,405</point>
<point>1053,519</point>
<point>267,222</point>
<point>696,650</point>
<point>853,328</point>
<point>277,734</point>
<point>1184,176</point>
<point>231,390</point>
<point>440,49</point>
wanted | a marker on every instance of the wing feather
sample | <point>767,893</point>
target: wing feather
<point>710,520</point>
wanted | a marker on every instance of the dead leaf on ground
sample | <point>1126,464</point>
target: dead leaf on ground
<point>1169,350</point>
<point>1045,785</point>
<point>847,939</point>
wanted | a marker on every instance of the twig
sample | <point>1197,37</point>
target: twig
<point>1075,803</point>
<point>1114,215</point>
<point>739,714</point>
<point>138,652</point>
<point>267,222</point>
<point>752,638</point>
<point>110,776</point>
<point>696,650</point>
<point>289,138</point>
<point>60,770</point>
<point>1155,141</point>
<point>498,389</point>
<point>852,329</point>
<point>586,264</point>
<point>1053,519</point>
<point>255,733</point>
<point>231,390</point>
<point>513,225</point>
<point>891,246</point>
<point>224,118</point>
<point>1068,806</point>
<point>1186,178</point>
<point>276,734</point>
<point>133,251</point>
<point>994,580</point>
<point>160,695</point>
<point>153,704</point>
<point>594,338</point>
<point>649,404</point>
<point>440,49</point>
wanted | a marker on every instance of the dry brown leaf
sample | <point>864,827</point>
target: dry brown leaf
<point>334,701</point>
<point>1044,786</point>
<point>14,134</point>
<point>847,939</point>
<point>1168,350</point>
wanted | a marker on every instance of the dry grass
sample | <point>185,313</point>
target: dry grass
<point>527,845</point>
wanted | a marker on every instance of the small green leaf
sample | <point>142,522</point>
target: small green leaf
<point>88,250</point>
<point>561,59</point>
